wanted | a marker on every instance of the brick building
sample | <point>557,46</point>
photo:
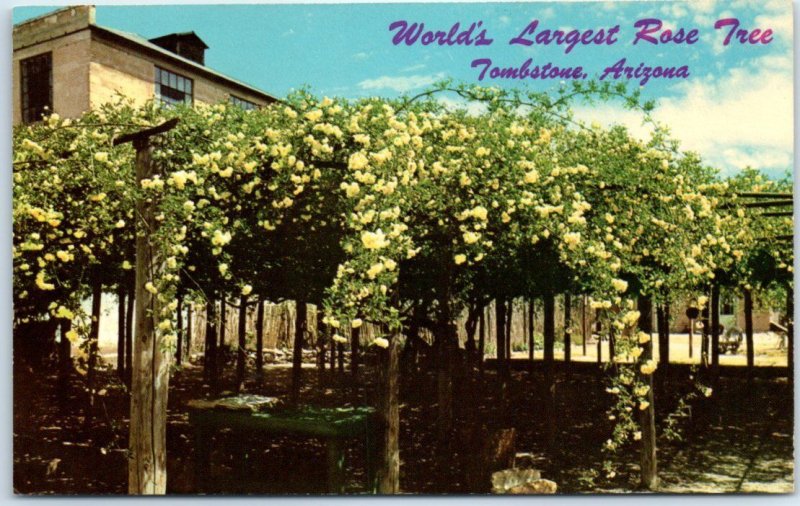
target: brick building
<point>64,62</point>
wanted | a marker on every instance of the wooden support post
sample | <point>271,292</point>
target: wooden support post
<point>583,323</point>
<point>715,327</point>
<point>179,348</point>
<point>567,327</point>
<point>241,351</point>
<point>790,329</point>
<point>297,356</point>
<point>509,319</point>
<point>748,329</point>
<point>481,338</point>
<point>648,461</point>
<point>500,324</point>
<point>549,308</point>
<point>94,335</point>
<point>121,331</point>
<point>598,327</point>
<point>129,316</point>
<point>355,351</point>
<point>189,332</point>
<point>260,338</point>
<point>147,464</point>
<point>531,332</point>
<point>388,473</point>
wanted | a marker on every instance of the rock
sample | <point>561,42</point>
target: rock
<point>534,487</point>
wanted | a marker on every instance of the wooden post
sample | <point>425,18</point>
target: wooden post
<point>355,351</point>
<point>748,329</point>
<point>210,360</point>
<point>121,331</point>
<point>179,348</point>
<point>147,464</point>
<point>260,338</point>
<point>500,324</point>
<point>583,323</point>
<point>691,337</point>
<point>481,338</point>
<point>241,351</point>
<point>189,332</point>
<point>129,316</point>
<point>531,332</point>
<point>94,334</point>
<point>388,473</point>
<point>549,327</point>
<point>549,307</point>
<point>647,420</point>
<point>715,327</point>
<point>567,327</point>
<point>790,329</point>
<point>598,326</point>
<point>297,356</point>
<point>64,358</point>
<point>509,318</point>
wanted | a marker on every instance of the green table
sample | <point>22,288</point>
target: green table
<point>333,425</point>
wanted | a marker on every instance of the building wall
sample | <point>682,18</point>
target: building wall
<point>761,318</point>
<point>119,69</point>
<point>70,74</point>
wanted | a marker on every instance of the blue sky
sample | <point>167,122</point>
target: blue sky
<point>735,108</point>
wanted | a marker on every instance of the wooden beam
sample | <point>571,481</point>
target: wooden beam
<point>143,135</point>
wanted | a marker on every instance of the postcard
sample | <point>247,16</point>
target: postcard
<point>403,248</point>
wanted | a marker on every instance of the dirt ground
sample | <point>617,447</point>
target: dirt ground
<point>739,440</point>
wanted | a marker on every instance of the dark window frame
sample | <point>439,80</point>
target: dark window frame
<point>172,88</point>
<point>245,104</point>
<point>33,103</point>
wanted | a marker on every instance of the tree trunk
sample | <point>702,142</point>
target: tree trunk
<point>500,326</point>
<point>241,351</point>
<point>648,462</point>
<point>388,475</point>
<point>94,334</point>
<point>300,324</point>
<point>147,464</point>
<point>260,338</point>
<point>715,328</point>
<point>567,327</point>
<point>321,341</point>
<point>340,357</point>
<point>121,331</point>
<point>179,347</point>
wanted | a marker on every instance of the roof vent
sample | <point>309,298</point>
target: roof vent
<point>186,44</point>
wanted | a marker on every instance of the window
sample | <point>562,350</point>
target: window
<point>37,86</point>
<point>172,88</point>
<point>244,104</point>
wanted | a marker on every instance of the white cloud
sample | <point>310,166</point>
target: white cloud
<point>413,68</point>
<point>744,118</point>
<point>361,55</point>
<point>400,84</point>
